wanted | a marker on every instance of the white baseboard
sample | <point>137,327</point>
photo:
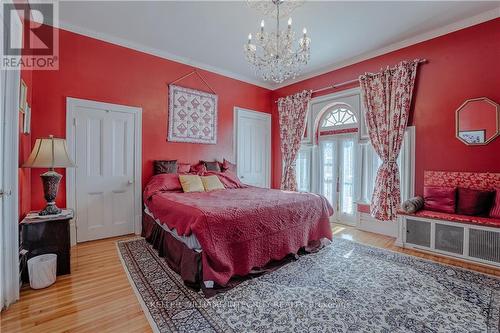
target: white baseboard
<point>368,223</point>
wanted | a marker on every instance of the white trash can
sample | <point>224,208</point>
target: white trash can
<point>42,270</point>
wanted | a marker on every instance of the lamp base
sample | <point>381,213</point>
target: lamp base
<point>50,180</point>
<point>50,209</point>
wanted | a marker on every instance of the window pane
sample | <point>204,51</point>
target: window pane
<point>338,116</point>
<point>303,170</point>
<point>348,177</point>
<point>327,150</point>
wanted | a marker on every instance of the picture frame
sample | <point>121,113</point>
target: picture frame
<point>475,137</point>
<point>27,120</point>
<point>192,115</point>
<point>23,96</point>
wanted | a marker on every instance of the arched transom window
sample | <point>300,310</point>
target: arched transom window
<point>338,116</point>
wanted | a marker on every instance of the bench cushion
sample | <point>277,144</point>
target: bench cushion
<point>485,221</point>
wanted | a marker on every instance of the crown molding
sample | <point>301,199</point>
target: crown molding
<point>458,25</point>
<point>159,53</point>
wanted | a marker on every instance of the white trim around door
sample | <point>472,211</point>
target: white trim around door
<point>265,118</point>
<point>9,183</point>
<point>71,105</point>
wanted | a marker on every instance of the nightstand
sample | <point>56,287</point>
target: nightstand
<point>48,234</point>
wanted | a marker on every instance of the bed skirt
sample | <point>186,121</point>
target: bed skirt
<point>180,258</point>
<point>187,262</point>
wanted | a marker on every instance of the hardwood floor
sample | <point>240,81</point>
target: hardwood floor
<point>97,297</point>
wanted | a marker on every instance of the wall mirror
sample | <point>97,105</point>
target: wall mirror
<point>477,121</point>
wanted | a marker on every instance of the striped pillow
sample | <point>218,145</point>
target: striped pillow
<point>495,210</point>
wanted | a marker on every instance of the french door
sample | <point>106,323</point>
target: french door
<point>338,165</point>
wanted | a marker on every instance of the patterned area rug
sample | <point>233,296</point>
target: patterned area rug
<point>345,287</point>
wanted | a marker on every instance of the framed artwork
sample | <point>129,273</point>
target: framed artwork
<point>192,116</point>
<point>27,120</point>
<point>476,136</point>
<point>23,95</point>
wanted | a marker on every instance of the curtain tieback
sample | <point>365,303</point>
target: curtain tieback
<point>391,161</point>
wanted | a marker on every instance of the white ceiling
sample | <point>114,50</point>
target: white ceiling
<point>211,34</point>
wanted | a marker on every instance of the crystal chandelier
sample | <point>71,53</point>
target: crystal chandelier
<point>273,55</point>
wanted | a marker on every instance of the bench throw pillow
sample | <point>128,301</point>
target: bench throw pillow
<point>474,202</point>
<point>495,210</point>
<point>440,199</point>
<point>413,205</point>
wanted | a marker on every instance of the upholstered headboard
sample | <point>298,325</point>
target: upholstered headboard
<point>472,180</point>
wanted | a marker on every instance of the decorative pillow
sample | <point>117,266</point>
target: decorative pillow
<point>198,169</point>
<point>495,210</point>
<point>440,199</point>
<point>162,166</point>
<point>474,202</point>
<point>183,167</point>
<point>212,166</point>
<point>226,165</point>
<point>412,205</point>
<point>228,178</point>
<point>162,182</point>
<point>191,183</point>
<point>211,183</point>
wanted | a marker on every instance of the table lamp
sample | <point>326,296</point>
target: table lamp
<point>50,153</point>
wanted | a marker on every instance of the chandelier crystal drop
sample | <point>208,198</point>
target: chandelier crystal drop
<point>273,54</point>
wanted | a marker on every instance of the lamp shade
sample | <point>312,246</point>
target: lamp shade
<point>49,153</point>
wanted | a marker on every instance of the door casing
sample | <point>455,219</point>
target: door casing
<point>71,104</point>
<point>261,116</point>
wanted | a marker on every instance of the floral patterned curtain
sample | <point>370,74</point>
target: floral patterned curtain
<point>292,112</point>
<point>387,100</point>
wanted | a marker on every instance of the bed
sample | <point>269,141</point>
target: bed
<point>211,237</point>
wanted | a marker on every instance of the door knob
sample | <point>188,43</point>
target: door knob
<point>130,182</point>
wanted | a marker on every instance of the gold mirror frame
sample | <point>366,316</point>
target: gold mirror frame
<point>457,122</point>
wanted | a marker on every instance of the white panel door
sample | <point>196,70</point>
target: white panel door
<point>253,147</point>
<point>104,142</point>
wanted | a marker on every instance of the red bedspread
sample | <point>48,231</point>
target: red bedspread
<point>242,229</point>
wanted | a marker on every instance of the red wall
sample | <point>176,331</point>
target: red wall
<point>96,70</point>
<point>461,65</point>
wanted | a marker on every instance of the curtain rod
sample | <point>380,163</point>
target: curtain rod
<point>337,85</point>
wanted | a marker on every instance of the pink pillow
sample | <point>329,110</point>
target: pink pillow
<point>495,210</point>
<point>183,167</point>
<point>474,202</point>
<point>440,199</point>
<point>198,169</point>
<point>226,165</point>
<point>162,182</point>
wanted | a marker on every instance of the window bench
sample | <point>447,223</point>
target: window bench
<point>467,237</point>
<point>472,238</point>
